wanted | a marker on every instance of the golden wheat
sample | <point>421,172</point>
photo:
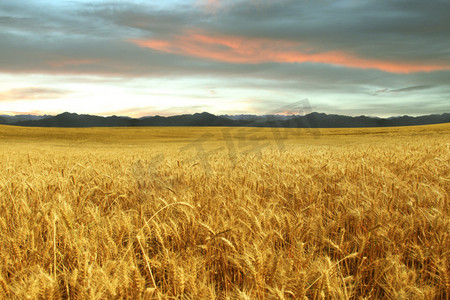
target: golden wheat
<point>129,214</point>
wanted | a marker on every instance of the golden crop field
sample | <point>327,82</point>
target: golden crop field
<point>225,213</point>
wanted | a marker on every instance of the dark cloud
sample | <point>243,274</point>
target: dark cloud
<point>394,30</point>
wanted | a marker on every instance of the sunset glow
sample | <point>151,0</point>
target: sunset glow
<point>234,49</point>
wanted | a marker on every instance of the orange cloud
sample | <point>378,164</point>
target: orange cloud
<point>236,49</point>
<point>211,6</point>
<point>31,112</point>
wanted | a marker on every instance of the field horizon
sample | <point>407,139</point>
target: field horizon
<point>187,133</point>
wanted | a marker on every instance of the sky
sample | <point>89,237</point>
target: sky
<point>140,58</point>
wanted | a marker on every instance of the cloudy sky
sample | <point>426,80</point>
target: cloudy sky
<point>136,58</point>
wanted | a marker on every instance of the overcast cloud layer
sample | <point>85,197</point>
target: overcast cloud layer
<point>134,58</point>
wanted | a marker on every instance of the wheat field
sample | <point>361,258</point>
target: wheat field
<point>225,213</point>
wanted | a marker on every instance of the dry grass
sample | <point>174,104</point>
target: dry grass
<point>129,214</point>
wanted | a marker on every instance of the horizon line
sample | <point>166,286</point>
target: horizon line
<point>219,115</point>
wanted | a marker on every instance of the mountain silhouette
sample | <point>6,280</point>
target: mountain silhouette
<point>312,120</point>
<point>4,119</point>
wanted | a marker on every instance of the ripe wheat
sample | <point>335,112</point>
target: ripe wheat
<point>126,214</point>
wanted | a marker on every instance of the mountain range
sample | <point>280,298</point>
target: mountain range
<point>312,120</point>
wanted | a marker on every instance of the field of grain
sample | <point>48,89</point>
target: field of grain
<point>225,213</point>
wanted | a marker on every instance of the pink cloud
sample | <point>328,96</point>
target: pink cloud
<point>32,93</point>
<point>244,50</point>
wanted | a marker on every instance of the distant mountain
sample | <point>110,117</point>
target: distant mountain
<point>198,119</point>
<point>253,117</point>
<point>313,120</point>
<point>74,120</point>
<point>5,119</point>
